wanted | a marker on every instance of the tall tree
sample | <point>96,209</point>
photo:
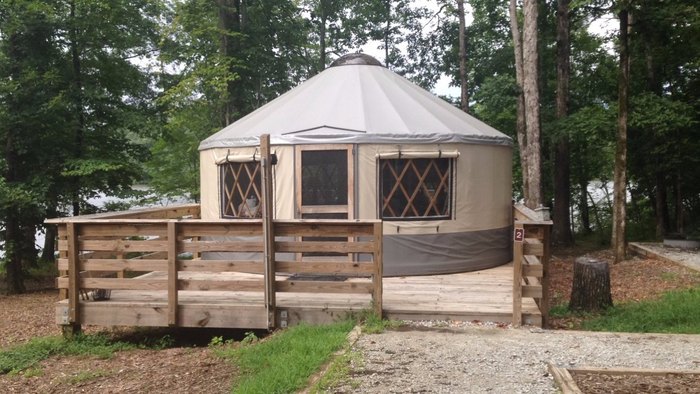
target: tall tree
<point>519,77</point>
<point>620,180</point>
<point>464,89</point>
<point>531,96</point>
<point>562,187</point>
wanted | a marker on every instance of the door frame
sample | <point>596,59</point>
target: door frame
<point>300,209</point>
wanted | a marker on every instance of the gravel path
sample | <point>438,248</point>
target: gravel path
<point>476,359</point>
<point>687,257</point>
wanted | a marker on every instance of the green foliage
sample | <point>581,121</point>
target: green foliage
<point>338,373</point>
<point>28,355</point>
<point>372,323</point>
<point>676,312</point>
<point>284,362</point>
<point>86,376</point>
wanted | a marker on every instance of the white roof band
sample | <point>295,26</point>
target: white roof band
<point>419,155</point>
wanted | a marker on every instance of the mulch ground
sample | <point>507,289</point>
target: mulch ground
<point>636,279</point>
<point>595,383</point>
<point>188,368</point>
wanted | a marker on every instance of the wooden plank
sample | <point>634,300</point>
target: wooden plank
<point>532,291</point>
<point>228,229</point>
<point>566,383</point>
<point>123,284</point>
<point>122,230</point>
<point>120,245</point>
<point>171,212</point>
<point>533,246</point>
<point>268,228</point>
<point>73,273</point>
<point>546,258</point>
<point>222,285</point>
<point>294,286</point>
<point>324,247</point>
<point>172,274</point>
<point>532,269</point>
<point>323,229</point>
<point>325,267</point>
<point>518,250</point>
<point>254,267</point>
<point>534,231</point>
<point>378,259</point>
<point>117,265</point>
<point>221,246</point>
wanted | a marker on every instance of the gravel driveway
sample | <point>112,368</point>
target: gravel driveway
<point>477,359</point>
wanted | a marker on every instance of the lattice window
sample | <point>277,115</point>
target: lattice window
<point>415,188</point>
<point>241,190</point>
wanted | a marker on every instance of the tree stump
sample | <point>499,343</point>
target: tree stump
<point>591,287</point>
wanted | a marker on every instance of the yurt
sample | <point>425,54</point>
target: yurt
<point>358,141</point>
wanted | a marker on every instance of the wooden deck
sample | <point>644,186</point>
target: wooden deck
<point>482,295</point>
<point>485,295</point>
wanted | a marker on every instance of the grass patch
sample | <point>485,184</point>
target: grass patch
<point>338,373</point>
<point>676,312</point>
<point>372,323</point>
<point>283,362</point>
<point>28,355</point>
<point>86,376</point>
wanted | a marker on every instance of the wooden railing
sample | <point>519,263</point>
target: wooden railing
<point>531,255</point>
<point>163,255</point>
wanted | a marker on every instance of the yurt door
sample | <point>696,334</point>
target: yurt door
<point>324,182</point>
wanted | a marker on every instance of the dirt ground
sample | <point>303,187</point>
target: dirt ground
<point>189,368</point>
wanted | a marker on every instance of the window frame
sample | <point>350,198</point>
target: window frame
<point>450,176</point>
<point>252,189</point>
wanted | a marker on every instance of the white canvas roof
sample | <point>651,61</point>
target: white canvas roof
<point>356,101</point>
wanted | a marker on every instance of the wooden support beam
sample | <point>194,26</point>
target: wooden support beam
<point>268,229</point>
<point>377,293</point>
<point>172,274</point>
<point>547,255</point>
<point>517,277</point>
<point>73,274</point>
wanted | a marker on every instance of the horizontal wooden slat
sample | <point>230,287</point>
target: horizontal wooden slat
<point>327,247</point>
<point>533,247</point>
<point>532,291</point>
<point>318,267</point>
<point>122,230</point>
<point>255,267</point>
<point>116,284</point>
<point>323,230</point>
<point>221,285</point>
<point>230,228</point>
<point>220,246</point>
<point>119,246</point>
<point>293,286</point>
<point>117,265</point>
<point>533,270</point>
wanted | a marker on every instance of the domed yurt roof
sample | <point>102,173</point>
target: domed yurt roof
<point>356,100</point>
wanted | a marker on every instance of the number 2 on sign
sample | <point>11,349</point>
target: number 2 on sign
<point>519,234</point>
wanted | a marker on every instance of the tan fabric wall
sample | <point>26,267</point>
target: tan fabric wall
<point>482,197</point>
<point>283,175</point>
<point>483,186</point>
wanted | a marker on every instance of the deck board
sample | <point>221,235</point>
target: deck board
<point>482,295</point>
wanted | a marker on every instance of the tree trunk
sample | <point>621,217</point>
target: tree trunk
<point>48,252</point>
<point>533,197</point>
<point>464,97</point>
<point>583,207</point>
<point>661,206</point>
<point>590,290</point>
<point>322,37</point>
<point>229,21</point>
<point>561,230</point>
<point>520,120</point>
<point>679,205</point>
<point>620,181</point>
<point>387,32</point>
<point>78,104</point>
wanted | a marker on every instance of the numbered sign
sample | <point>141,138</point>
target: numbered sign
<point>519,235</point>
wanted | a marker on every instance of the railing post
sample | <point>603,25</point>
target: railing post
<point>73,278</point>
<point>518,238</point>
<point>544,302</point>
<point>268,230</point>
<point>172,274</point>
<point>378,269</point>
